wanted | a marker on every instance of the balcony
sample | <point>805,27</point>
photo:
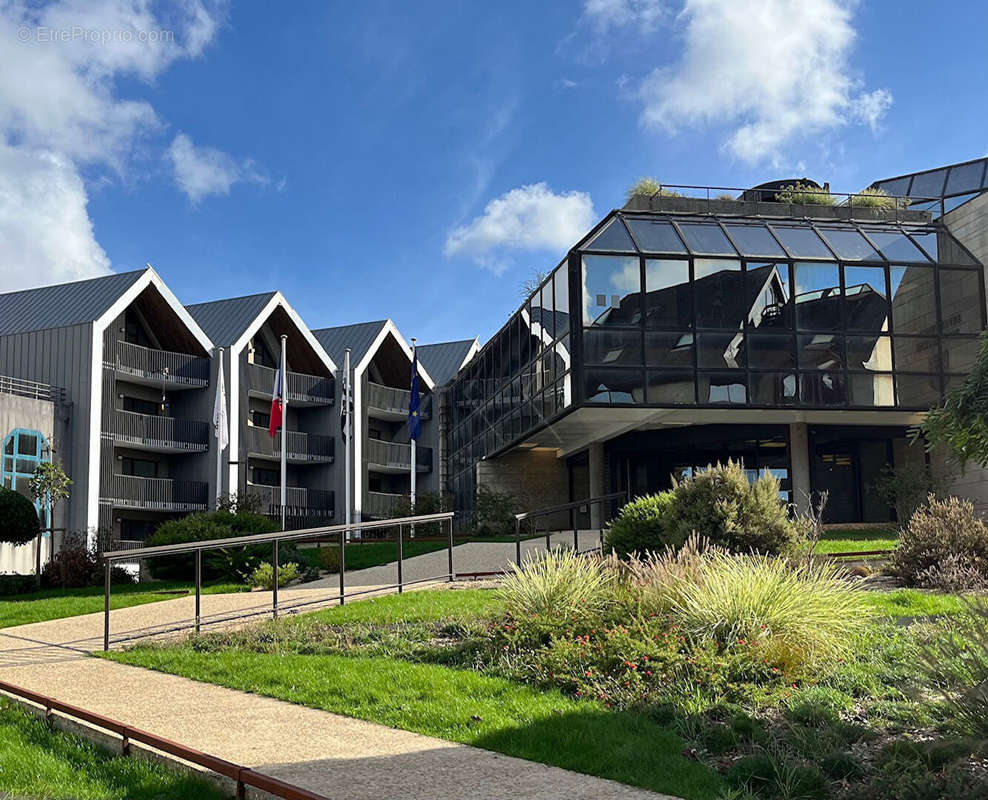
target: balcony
<point>381,504</point>
<point>387,402</point>
<point>300,502</point>
<point>300,448</point>
<point>150,367</point>
<point>302,389</point>
<point>395,457</point>
<point>156,494</point>
<point>159,434</point>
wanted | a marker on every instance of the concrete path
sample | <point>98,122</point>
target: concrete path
<point>327,753</point>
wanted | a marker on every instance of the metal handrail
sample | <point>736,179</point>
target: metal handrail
<point>344,531</point>
<point>161,364</point>
<point>33,389</point>
<point>300,386</point>
<point>300,446</point>
<point>243,776</point>
<point>544,512</point>
<point>133,426</point>
<point>397,454</point>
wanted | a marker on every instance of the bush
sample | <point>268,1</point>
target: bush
<point>943,546</point>
<point>649,187</point>
<point>208,526</point>
<point>641,525</point>
<point>907,486</point>
<point>803,194</point>
<point>76,566</point>
<point>722,507</point>
<point>19,522</point>
<point>263,575</point>
<point>329,559</point>
<point>16,584</point>
<point>494,512</point>
<point>795,615</point>
<point>425,503</point>
<point>876,198</point>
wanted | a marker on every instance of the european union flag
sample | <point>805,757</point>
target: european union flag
<point>414,419</point>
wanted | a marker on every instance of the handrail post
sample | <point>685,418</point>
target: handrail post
<point>106,606</point>
<point>451,573</point>
<point>342,566</point>
<point>576,535</point>
<point>274,594</point>
<point>198,585</point>
<point>400,555</point>
<point>548,537</point>
<point>518,540</point>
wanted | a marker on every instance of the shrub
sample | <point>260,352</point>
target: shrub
<point>16,584</point>
<point>425,503</point>
<point>943,544</point>
<point>557,587</point>
<point>649,187</point>
<point>494,512</point>
<point>641,525</point>
<point>803,194</point>
<point>19,522</point>
<point>796,615</point>
<point>329,559</point>
<point>208,526</point>
<point>76,566</point>
<point>875,197</point>
<point>263,575</point>
<point>727,511</point>
<point>907,486</point>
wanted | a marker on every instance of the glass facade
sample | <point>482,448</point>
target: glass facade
<point>941,189</point>
<point>664,310</point>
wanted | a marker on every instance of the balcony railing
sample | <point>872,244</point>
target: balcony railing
<point>394,402</point>
<point>301,388</point>
<point>157,494</point>
<point>32,389</point>
<point>398,456</point>
<point>166,433</point>
<point>381,504</point>
<point>161,365</point>
<point>299,501</point>
<point>304,447</point>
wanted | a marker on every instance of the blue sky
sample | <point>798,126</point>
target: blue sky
<point>419,160</point>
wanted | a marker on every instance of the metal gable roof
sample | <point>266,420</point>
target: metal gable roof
<point>442,360</point>
<point>359,338</point>
<point>64,304</point>
<point>224,321</point>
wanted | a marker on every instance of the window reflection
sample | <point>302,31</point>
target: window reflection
<point>960,301</point>
<point>611,290</point>
<point>896,246</point>
<point>613,237</point>
<point>612,347</point>
<point>722,388</point>
<point>755,240</point>
<point>822,389</point>
<point>671,388</point>
<point>721,350</point>
<point>706,238</point>
<point>667,294</point>
<point>771,351</point>
<point>767,289</point>
<point>801,241</point>
<point>655,236</point>
<point>820,351</point>
<point>865,302</point>
<point>870,390</point>
<point>719,296</point>
<point>773,388</point>
<point>818,297</point>
<point>850,245</point>
<point>917,391</point>
<point>872,353</point>
<point>668,349</point>
<point>913,300</point>
<point>614,386</point>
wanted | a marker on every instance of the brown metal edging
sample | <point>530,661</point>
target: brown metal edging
<point>244,776</point>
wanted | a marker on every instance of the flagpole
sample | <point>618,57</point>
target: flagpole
<point>348,437</point>
<point>284,428</point>
<point>219,435</point>
<point>414,441</point>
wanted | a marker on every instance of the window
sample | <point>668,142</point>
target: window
<point>613,386</point>
<point>706,238</point>
<point>671,388</point>
<point>896,246</point>
<point>755,240</point>
<point>22,451</point>
<point>818,297</point>
<point>960,301</point>
<point>850,245</point>
<point>137,530</point>
<point>260,419</point>
<point>801,241</point>
<point>611,290</point>
<point>722,388</point>
<point>614,238</point>
<point>965,178</point>
<point>720,350</point>
<point>771,350</point>
<point>914,307</point>
<point>612,347</point>
<point>866,306</point>
<point>766,286</point>
<point>139,467</point>
<point>265,477</point>
<point>655,236</point>
<point>140,406</point>
<point>773,388</point>
<point>560,284</point>
<point>668,303</point>
<point>719,297</point>
<point>916,354</point>
<point>134,332</point>
<point>668,349</point>
<point>262,354</point>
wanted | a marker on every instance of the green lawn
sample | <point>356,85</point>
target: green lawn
<point>457,705</point>
<point>419,606</point>
<point>913,603</point>
<point>21,609</point>
<point>853,541</point>
<point>36,761</point>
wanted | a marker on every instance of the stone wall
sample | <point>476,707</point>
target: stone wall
<point>536,478</point>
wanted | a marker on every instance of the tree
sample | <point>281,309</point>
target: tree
<point>18,520</point>
<point>528,286</point>
<point>49,484</point>
<point>959,426</point>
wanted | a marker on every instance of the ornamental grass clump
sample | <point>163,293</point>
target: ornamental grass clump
<point>559,587</point>
<point>649,187</point>
<point>876,198</point>
<point>802,194</point>
<point>797,615</point>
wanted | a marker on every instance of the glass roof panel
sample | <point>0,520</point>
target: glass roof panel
<point>928,241</point>
<point>896,246</point>
<point>614,237</point>
<point>965,178</point>
<point>755,240</point>
<point>801,241</point>
<point>655,236</point>
<point>950,203</point>
<point>928,184</point>
<point>898,187</point>
<point>849,244</point>
<point>706,239</point>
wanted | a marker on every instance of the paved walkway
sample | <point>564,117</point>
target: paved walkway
<point>327,753</point>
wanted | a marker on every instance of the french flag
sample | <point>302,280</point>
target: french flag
<point>277,401</point>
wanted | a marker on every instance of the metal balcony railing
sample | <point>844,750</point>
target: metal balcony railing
<point>394,401</point>
<point>381,504</point>
<point>32,389</point>
<point>299,501</point>
<point>306,447</point>
<point>398,455</point>
<point>161,432</point>
<point>301,388</point>
<point>157,494</point>
<point>163,365</point>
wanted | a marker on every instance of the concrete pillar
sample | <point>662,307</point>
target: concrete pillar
<point>598,485</point>
<point>799,458</point>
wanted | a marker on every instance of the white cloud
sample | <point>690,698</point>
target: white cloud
<point>643,15</point>
<point>774,70</point>
<point>60,113</point>
<point>202,171</point>
<point>530,217</point>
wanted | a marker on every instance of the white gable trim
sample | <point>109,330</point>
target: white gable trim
<point>386,328</point>
<point>474,349</point>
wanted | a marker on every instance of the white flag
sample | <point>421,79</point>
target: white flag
<point>221,428</point>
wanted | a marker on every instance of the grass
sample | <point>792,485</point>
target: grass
<point>36,761</point>
<point>838,540</point>
<point>913,603</point>
<point>48,604</point>
<point>361,555</point>
<point>458,705</point>
<point>426,605</point>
